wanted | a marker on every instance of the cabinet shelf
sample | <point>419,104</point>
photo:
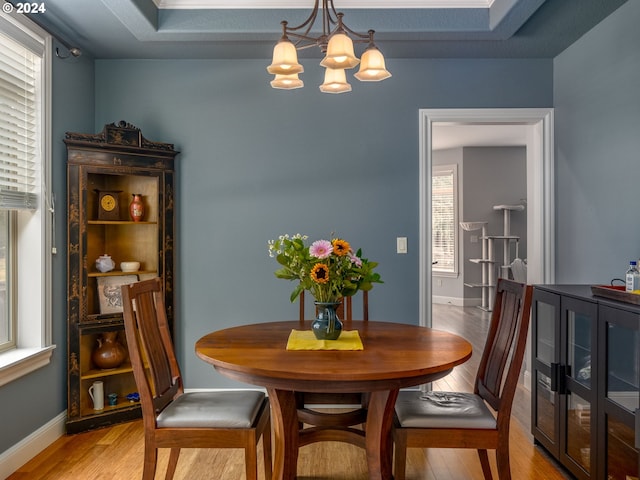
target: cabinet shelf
<point>123,405</point>
<point>99,373</point>
<point>119,222</point>
<point>100,322</point>
<point>623,381</point>
<point>115,273</point>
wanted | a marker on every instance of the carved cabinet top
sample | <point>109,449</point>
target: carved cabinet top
<point>118,134</point>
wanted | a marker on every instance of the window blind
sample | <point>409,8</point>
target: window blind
<point>443,220</point>
<point>18,126</point>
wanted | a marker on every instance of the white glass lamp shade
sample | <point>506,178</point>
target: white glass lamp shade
<point>372,68</point>
<point>335,81</point>
<point>287,82</point>
<point>285,59</point>
<point>340,53</point>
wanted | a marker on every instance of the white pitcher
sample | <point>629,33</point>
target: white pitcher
<point>96,392</point>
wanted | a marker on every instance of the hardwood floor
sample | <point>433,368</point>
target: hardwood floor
<point>115,453</point>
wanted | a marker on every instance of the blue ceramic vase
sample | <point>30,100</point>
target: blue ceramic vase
<point>327,325</point>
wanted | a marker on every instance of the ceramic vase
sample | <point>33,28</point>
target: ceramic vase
<point>104,263</point>
<point>136,207</point>
<point>110,353</point>
<point>327,325</point>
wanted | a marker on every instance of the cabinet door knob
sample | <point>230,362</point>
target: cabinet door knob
<point>554,376</point>
<point>563,372</point>
<point>558,381</point>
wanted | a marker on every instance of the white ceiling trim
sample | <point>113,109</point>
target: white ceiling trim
<point>457,135</point>
<point>258,4</point>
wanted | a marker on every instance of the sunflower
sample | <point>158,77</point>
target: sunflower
<point>320,273</point>
<point>340,247</point>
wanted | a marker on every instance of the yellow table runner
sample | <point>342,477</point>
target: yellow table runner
<point>306,340</point>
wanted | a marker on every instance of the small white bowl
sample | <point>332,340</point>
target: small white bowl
<point>129,266</point>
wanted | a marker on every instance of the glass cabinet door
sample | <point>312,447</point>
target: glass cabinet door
<point>546,357</point>
<point>578,392</point>
<point>620,419</point>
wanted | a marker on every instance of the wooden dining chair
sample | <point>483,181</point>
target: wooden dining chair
<point>478,420</point>
<point>175,419</point>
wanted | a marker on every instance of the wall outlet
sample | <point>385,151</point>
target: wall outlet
<point>473,238</point>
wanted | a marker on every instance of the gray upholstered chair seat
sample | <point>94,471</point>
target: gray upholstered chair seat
<point>224,409</point>
<point>443,410</point>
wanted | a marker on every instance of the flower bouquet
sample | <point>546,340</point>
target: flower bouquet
<point>328,269</point>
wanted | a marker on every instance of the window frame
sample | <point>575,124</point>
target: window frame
<point>33,231</point>
<point>10,279</point>
<point>441,170</point>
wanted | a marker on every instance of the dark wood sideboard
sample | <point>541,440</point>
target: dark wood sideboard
<point>586,381</point>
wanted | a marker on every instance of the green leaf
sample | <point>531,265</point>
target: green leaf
<point>296,293</point>
<point>285,274</point>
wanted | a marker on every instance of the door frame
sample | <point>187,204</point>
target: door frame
<point>540,189</point>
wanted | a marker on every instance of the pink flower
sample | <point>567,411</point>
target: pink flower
<point>355,260</point>
<point>321,249</point>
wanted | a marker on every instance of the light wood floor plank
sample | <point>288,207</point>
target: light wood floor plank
<point>115,453</point>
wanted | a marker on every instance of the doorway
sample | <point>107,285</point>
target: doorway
<point>538,124</point>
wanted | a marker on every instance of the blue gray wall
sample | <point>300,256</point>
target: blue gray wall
<point>258,162</point>
<point>597,126</point>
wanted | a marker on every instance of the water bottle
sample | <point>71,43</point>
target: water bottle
<point>633,277</point>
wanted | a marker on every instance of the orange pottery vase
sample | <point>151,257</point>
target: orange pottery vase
<point>110,353</point>
<point>136,208</point>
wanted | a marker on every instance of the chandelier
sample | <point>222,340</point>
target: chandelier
<point>336,42</point>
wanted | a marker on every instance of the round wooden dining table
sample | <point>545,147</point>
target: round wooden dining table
<point>394,356</point>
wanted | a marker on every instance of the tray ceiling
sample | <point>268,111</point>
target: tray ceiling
<point>404,28</point>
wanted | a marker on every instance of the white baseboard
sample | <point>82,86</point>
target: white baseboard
<point>457,301</point>
<point>29,447</point>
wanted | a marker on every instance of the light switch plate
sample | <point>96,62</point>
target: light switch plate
<point>401,245</point>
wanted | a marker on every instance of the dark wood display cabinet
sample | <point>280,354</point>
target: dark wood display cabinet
<point>104,171</point>
<point>585,381</point>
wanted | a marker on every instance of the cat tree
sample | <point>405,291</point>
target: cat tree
<point>488,261</point>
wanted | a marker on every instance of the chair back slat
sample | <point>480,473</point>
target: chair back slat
<point>153,359</point>
<point>344,311</point>
<point>503,354</point>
